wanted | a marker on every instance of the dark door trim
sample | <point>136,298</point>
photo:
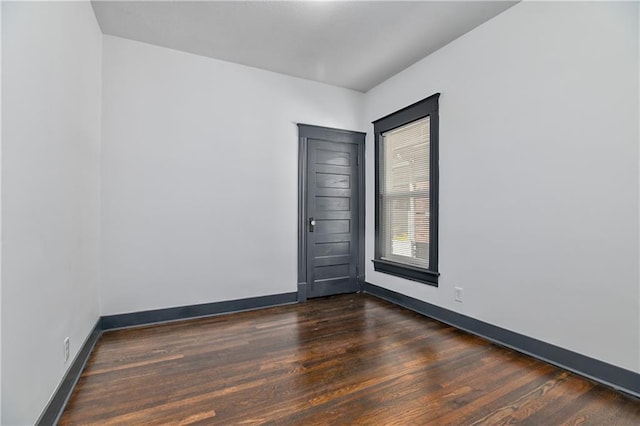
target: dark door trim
<point>306,132</point>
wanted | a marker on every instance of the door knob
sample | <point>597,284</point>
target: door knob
<point>312,224</point>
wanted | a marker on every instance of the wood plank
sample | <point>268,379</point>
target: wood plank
<point>351,359</point>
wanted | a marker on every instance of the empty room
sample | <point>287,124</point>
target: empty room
<point>320,212</point>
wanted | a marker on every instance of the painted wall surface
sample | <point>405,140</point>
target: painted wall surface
<point>51,65</point>
<point>539,174</point>
<point>199,174</point>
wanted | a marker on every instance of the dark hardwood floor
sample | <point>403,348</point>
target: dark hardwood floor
<point>350,359</point>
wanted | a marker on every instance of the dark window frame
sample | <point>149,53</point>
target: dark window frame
<point>416,111</point>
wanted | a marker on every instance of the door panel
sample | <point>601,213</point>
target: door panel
<point>336,158</point>
<point>328,180</point>
<point>331,226</point>
<point>332,272</point>
<point>332,202</point>
<point>332,260</point>
<point>332,249</point>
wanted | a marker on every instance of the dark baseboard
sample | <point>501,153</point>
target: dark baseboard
<point>610,375</point>
<point>58,402</point>
<point>54,409</point>
<point>110,322</point>
<point>302,292</point>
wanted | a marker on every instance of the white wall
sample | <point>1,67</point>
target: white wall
<point>199,173</point>
<point>51,69</point>
<point>539,174</point>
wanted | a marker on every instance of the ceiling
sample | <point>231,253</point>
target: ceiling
<point>356,44</point>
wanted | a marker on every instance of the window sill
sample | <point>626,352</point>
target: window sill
<point>406,271</point>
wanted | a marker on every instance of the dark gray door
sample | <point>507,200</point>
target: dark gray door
<point>332,228</point>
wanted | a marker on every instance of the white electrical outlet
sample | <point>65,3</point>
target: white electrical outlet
<point>458,294</point>
<point>66,349</point>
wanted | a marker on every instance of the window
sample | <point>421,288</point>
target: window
<point>406,228</point>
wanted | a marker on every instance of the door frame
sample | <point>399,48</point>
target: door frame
<point>306,132</point>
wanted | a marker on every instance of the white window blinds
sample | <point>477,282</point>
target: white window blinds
<point>404,194</point>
